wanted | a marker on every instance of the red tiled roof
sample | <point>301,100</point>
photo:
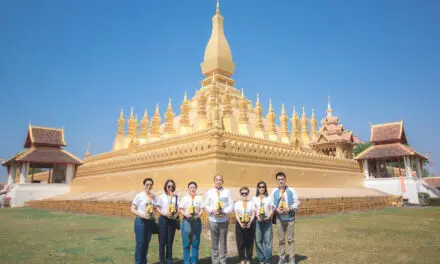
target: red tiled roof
<point>44,136</point>
<point>388,151</point>
<point>44,155</point>
<point>388,133</point>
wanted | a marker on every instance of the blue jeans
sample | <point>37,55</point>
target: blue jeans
<point>191,230</point>
<point>167,230</point>
<point>142,232</point>
<point>263,241</point>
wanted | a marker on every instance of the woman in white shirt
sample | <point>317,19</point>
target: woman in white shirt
<point>191,207</point>
<point>143,207</point>
<point>169,204</point>
<point>263,228</point>
<point>245,226</point>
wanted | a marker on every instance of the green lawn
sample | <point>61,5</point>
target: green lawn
<point>397,235</point>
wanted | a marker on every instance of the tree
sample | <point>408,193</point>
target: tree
<point>361,147</point>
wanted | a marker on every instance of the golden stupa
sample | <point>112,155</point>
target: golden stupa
<point>219,130</point>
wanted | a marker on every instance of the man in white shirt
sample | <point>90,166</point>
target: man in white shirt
<point>285,201</point>
<point>219,204</point>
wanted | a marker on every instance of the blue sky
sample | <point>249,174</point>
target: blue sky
<point>75,64</point>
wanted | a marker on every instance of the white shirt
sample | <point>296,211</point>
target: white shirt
<point>164,199</point>
<point>186,201</point>
<point>239,208</point>
<point>142,200</point>
<point>267,204</point>
<point>211,199</point>
<point>295,198</point>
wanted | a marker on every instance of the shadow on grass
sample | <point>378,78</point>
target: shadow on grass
<point>235,260</point>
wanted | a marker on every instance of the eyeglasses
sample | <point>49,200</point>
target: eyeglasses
<point>244,193</point>
<point>261,186</point>
<point>148,184</point>
<point>170,186</point>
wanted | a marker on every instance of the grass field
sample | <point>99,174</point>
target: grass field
<point>396,235</point>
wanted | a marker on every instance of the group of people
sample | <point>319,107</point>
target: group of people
<point>254,219</point>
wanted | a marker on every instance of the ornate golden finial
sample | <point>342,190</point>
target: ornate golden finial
<point>270,117</point>
<point>136,126</point>
<point>244,119</point>
<point>242,92</point>
<point>87,151</point>
<point>185,97</point>
<point>155,124</point>
<point>329,108</point>
<point>227,105</point>
<point>259,126</point>
<point>144,125</point>
<point>295,124</point>
<point>313,123</point>
<point>218,7</point>
<point>202,118</point>
<point>184,113</point>
<point>168,129</point>
<point>121,123</point>
<point>304,124</point>
<point>284,130</point>
<point>131,124</point>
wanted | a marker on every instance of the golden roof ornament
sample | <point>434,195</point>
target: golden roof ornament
<point>270,117</point>
<point>202,118</point>
<point>87,151</point>
<point>284,130</point>
<point>313,123</point>
<point>244,119</point>
<point>168,129</point>
<point>259,126</point>
<point>329,108</point>
<point>121,123</point>
<point>131,124</point>
<point>144,125</point>
<point>295,124</point>
<point>155,124</point>
<point>184,112</point>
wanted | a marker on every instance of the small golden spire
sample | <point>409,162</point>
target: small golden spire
<point>313,124</point>
<point>244,119</point>
<point>144,125</point>
<point>284,130</point>
<point>304,124</point>
<point>132,112</point>
<point>155,124</point>
<point>185,97</point>
<point>242,92</point>
<point>259,126</point>
<point>168,128</point>
<point>202,118</point>
<point>227,105</point>
<point>184,112</point>
<point>218,7</point>
<point>87,151</point>
<point>295,124</point>
<point>329,108</point>
<point>131,124</point>
<point>270,117</point>
<point>121,123</point>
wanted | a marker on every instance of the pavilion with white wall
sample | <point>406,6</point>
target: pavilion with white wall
<point>44,149</point>
<point>389,164</point>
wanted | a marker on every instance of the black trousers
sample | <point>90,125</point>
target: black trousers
<point>167,230</point>
<point>245,241</point>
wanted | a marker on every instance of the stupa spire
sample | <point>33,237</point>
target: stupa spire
<point>313,123</point>
<point>121,123</point>
<point>295,124</point>
<point>131,124</point>
<point>259,126</point>
<point>144,124</point>
<point>218,57</point>
<point>155,124</point>
<point>284,130</point>
<point>270,117</point>
<point>184,122</point>
<point>168,129</point>
<point>329,107</point>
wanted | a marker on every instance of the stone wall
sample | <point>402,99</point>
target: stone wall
<point>309,207</point>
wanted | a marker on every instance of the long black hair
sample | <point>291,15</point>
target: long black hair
<point>265,189</point>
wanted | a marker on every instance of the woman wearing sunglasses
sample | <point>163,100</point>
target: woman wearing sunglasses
<point>169,204</point>
<point>245,226</point>
<point>263,229</point>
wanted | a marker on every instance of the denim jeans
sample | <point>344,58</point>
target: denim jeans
<point>263,241</point>
<point>142,232</point>
<point>191,230</point>
<point>167,230</point>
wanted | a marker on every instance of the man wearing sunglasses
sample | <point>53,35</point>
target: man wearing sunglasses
<point>219,204</point>
<point>285,201</point>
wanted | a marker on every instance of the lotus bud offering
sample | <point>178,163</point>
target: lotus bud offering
<point>172,208</point>
<point>219,207</point>
<point>245,219</point>
<point>261,212</point>
<point>192,211</point>
<point>149,211</point>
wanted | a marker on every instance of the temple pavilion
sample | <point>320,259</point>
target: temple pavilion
<point>44,149</point>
